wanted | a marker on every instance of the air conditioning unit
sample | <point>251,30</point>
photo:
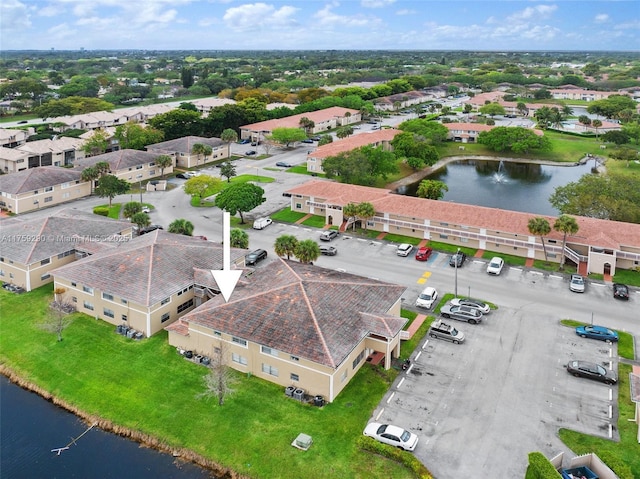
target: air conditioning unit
<point>289,390</point>
<point>298,394</point>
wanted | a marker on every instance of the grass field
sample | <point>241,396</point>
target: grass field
<point>147,386</point>
<point>196,201</point>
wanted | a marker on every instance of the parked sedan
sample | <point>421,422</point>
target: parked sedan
<point>284,164</point>
<point>392,435</point>
<point>457,260</point>
<point>254,257</point>
<point>461,313</point>
<point>585,369</point>
<point>328,235</point>
<point>597,332</point>
<point>250,153</point>
<point>495,265</point>
<point>404,249</point>
<point>620,291</point>
<point>576,283</point>
<point>328,250</point>
<point>423,253</point>
<point>472,303</point>
<point>308,140</point>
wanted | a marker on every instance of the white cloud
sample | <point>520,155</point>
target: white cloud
<point>14,16</point>
<point>406,11</point>
<point>632,25</point>
<point>533,13</point>
<point>259,16</point>
<point>601,18</point>
<point>327,18</point>
<point>376,3</point>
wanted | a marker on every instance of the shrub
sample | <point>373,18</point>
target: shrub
<point>101,210</point>
<point>540,467</point>
<point>395,454</point>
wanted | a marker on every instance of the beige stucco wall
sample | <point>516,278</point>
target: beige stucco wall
<point>187,160</point>
<point>42,198</point>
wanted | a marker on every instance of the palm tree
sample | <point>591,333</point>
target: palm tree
<point>131,208</point>
<point>344,131</point>
<point>285,245</point>
<point>164,161</point>
<point>365,211</point>
<point>307,251</point>
<point>229,135</point>
<point>181,227</point>
<point>141,220</point>
<point>201,149</point>
<point>584,120</point>
<point>596,124</point>
<point>238,238</point>
<point>350,210</point>
<point>102,168</point>
<point>567,225</point>
<point>522,108</point>
<point>540,227</point>
<point>307,124</point>
<point>89,174</point>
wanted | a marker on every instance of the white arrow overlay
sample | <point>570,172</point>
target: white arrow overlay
<point>226,278</point>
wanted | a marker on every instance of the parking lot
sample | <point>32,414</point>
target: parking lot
<point>480,407</point>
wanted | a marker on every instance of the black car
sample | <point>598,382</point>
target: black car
<point>621,291</point>
<point>149,229</point>
<point>254,257</point>
<point>308,140</point>
<point>284,164</point>
<point>244,142</point>
<point>585,369</point>
<point>315,138</point>
<point>250,153</point>
<point>182,176</point>
<point>457,260</point>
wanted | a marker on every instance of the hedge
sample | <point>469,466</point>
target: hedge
<point>540,467</point>
<point>101,210</point>
<point>395,454</point>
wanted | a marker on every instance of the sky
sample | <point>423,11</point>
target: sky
<point>320,25</point>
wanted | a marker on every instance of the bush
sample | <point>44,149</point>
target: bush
<point>101,210</point>
<point>395,454</point>
<point>540,467</point>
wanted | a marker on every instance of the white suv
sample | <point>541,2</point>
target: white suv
<point>404,249</point>
<point>427,298</point>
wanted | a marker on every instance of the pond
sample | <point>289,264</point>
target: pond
<point>507,185</point>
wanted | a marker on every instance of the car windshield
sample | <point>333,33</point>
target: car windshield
<point>601,370</point>
<point>454,332</point>
<point>406,435</point>
<point>425,296</point>
<point>495,264</point>
<point>577,280</point>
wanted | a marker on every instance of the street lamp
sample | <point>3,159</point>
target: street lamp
<point>455,289</point>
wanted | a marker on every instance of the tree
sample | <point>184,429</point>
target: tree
<point>432,189</point>
<point>344,132</point>
<point>135,136</point>
<point>201,149</point>
<point>350,211</point>
<point>96,144</point>
<point>199,185</point>
<point>286,136</point>
<point>516,139</point>
<point>240,198</point>
<point>365,211</point>
<point>325,140</point>
<point>74,105</point>
<point>307,251</point>
<point>187,77</point>
<point>307,124</point>
<point>633,130</point>
<point>164,161</point>
<point>619,137</point>
<point>584,120</point>
<point>219,379</point>
<point>361,166</point>
<point>567,225</point>
<point>110,186</point>
<point>596,124</point>
<point>539,226</point>
<point>229,135</point>
<point>131,208</point>
<point>178,123</point>
<point>89,174</point>
<point>141,220</point>
<point>285,245</point>
<point>181,227</point>
<point>102,168</point>
<point>611,106</point>
<point>522,108</point>
<point>228,170</point>
<point>238,238</point>
<point>80,86</point>
<point>57,317</point>
<point>467,108</point>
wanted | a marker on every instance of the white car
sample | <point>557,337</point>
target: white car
<point>495,265</point>
<point>427,298</point>
<point>145,209</point>
<point>392,435</point>
<point>261,223</point>
<point>472,303</point>
<point>404,249</point>
<point>576,284</point>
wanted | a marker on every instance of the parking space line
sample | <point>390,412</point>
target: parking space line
<point>515,269</point>
<point>555,276</point>
<point>379,414</point>
<point>363,240</point>
<point>536,272</point>
<point>376,243</point>
<point>400,383</point>
<point>597,284</point>
<point>425,344</point>
<point>417,355</point>
<point>391,397</point>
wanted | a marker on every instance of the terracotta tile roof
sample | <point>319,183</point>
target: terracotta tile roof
<point>293,121</point>
<point>303,310</point>
<point>185,144</point>
<point>42,238</point>
<point>118,160</point>
<point>37,178</point>
<point>494,219</point>
<point>148,268</point>
<point>353,142</point>
<point>467,127</point>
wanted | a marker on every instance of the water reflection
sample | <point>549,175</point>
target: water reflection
<point>503,184</point>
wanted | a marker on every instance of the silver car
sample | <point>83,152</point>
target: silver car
<point>472,303</point>
<point>576,283</point>
<point>461,313</point>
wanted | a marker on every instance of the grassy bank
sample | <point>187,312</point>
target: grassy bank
<point>147,388</point>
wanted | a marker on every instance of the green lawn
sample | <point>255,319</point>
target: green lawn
<point>195,201</point>
<point>287,216</point>
<point>114,210</point>
<point>315,221</point>
<point>105,374</point>
<point>629,277</point>
<point>508,259</point>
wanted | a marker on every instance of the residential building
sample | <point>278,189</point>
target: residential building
<point>31,248</point>
<point>402,100</point>
<point>600,246</point>
<point>61,151</point>
<point>182,150</point>
<point>37,188</point>
<point>146,283</point>
<point>323,120</point>
<point>129,165</point>
<point>466,132</point>
<point>298,326</point>
<point>10,138</point>
<point>376,138</point>
<point>582,94</point>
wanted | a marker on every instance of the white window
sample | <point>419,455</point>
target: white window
<point>88,305</point>
<point>269,351</point>
<point>107,296</point>
<point>236,358</point>
<point>240,341</point>
<point>272,370</point>
<point>108,312</point>
<point>87,289</point>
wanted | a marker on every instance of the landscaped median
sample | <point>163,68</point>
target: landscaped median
<point>147,391</point>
